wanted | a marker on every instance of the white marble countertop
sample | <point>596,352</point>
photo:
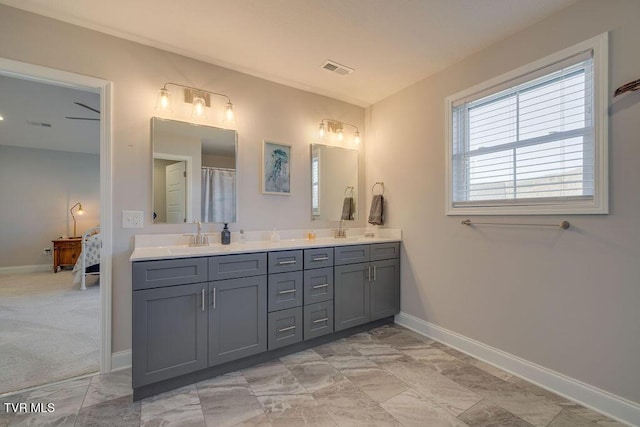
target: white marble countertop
<point>168,246</point>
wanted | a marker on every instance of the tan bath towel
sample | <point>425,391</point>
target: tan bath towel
<point>348,208</point>
<point>376,215</point>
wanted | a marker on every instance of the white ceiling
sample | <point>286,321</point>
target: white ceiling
<point>22,101</point>
<point>390,43</point>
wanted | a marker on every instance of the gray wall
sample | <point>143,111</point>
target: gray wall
<point>37,189</point>
<point>567,300</point>
<point>264,110</point>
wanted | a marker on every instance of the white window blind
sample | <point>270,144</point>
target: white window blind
<point>533,140</point>
<point>315,183</point>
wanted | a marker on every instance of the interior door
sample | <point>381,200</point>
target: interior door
<point>176,192</point>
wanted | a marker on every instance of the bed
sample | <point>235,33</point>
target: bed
<point>88,263</point>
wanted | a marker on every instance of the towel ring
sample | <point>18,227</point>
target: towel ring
<point>347,189</point>
<point>381,184</point>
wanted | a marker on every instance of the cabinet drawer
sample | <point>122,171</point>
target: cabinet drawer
<point>168,272</point>
<point>285,327</point>
<point>285,290</point>
<point>318,258</point>
<point>284,261</point>
<point>234,266</point>
<point>351,254</point>
<point>318,319</point>
<point>380,251</point>
<point>318,285</point>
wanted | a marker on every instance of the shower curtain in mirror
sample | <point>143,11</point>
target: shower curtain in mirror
<point>218,195</point>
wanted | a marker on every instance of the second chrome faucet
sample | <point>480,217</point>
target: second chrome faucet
<point>198,239</point>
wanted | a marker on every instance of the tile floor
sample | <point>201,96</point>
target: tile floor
<point>388,376</point>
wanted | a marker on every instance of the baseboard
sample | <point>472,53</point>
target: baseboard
<point>592,397</point>
<point>120,360</point>
<point>24,269</point>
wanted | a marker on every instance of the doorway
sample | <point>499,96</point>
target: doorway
<point>93,102</point>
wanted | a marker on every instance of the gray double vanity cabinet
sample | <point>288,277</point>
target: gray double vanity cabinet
<point>197,317</point>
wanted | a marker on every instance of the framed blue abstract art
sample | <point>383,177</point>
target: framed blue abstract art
<point>276,168</point>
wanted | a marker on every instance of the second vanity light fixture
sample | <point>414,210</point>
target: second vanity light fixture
<point>200,99</point>
<point>337,127</point>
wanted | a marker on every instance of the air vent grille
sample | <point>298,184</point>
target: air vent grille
<point>44,125</point>
<point>334,67</point>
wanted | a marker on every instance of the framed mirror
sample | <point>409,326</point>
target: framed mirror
<point>334,183</point>
<point>194,172</point>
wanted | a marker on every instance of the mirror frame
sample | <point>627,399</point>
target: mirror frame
<point>356,195</point>
<point>190,169</point>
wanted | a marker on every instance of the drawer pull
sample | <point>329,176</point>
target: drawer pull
<point>321,320</point>
<point>287,329</point>
<point>321,286</point>
<point>323,258</point>
<point>289,291</point>
<point>203,300</point>
<point>293,261</point>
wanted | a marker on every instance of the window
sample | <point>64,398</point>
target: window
<point>534,140</point>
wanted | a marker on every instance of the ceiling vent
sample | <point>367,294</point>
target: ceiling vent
<point>334,67</point>
<point>44,125</point>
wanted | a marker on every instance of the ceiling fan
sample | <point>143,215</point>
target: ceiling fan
<point>85,118</point>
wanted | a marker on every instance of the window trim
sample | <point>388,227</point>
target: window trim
<point>600,202</point>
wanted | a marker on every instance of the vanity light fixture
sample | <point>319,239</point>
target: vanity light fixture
<point>337,127</point>
<point>200,99</point>
<point>80,211</point>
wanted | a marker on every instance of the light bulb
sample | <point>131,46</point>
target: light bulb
<point>340,135</point>
<point>198,110</point>
<point>163,103</point>
<point>80,210</point>
<point>321,130</point>
<point>356,138</point>
<point>228,113</point>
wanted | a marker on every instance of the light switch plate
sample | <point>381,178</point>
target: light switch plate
<point>132,219</point>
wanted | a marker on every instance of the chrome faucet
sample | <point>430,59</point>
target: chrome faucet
<point>198,239</point>
<point>340,232</point>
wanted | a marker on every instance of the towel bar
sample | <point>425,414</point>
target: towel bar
<point>564,224</point>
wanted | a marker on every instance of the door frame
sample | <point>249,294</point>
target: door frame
<point>104,88</point>
<point>189,161</point>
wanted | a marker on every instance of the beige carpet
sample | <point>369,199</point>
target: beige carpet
<point>49,329</point>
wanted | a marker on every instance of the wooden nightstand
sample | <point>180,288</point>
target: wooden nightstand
<point>66,252</point>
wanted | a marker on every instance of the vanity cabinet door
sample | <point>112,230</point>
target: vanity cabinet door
<point>385,288</point>
<point>237,318</point>
<point>351,294</point>
<point>169,332</point>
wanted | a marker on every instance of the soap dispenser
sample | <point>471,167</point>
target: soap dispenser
<point>225,237</point>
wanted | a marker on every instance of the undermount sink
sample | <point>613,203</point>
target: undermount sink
<point>348,239</point>
<point>188,250</point>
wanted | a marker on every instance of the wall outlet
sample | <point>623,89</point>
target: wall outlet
<point>132,219</point>
<point>47,251</point>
